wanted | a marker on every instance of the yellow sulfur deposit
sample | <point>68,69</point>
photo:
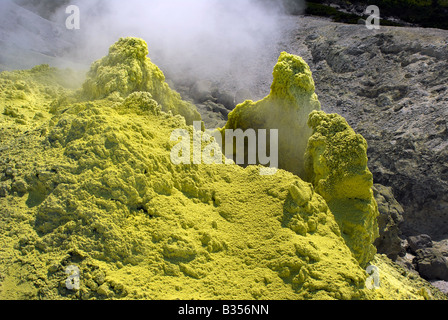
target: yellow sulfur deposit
<point>286,108</point>
<point>321,148</point>
<point>127,69</point>
<point>336,164</point>
<point>89,186</point>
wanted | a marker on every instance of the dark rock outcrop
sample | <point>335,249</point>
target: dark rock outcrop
<point>389,221</point>
<point>421,241</point>
<point>431,264</point>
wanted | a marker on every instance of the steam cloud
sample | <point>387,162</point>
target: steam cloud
<point>233,42</point>
<point>188,39</point>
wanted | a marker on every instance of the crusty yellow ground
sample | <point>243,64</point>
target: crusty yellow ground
<point>321,148</point>
<point>90,183</point>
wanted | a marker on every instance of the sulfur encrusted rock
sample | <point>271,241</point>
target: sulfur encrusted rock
<point>286,108</point>
<point>390,218</point>
<point>321,148</point>
<point>336,164</point>
<point>102,195</point>
<point>127,69</point>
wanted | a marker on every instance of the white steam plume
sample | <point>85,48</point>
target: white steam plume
<point>191,39</point>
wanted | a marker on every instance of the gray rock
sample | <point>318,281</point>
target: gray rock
<point>225,98</point>
<point>442,246</point>
<point>216,107</point>
<point>421,241</point>
<point>431,264</point>
<point>389,221</point>
<point>393,79</point>
<point>390,85</point>
<point>10,173</point>
<point>312,37</point>
<point>20,186</point>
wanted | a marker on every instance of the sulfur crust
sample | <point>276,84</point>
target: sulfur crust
<point>285,109</point>
<point>127,69</point>
<point>204,232</point>
<point>320,148</point>
<point>336,164</point>
<point>94,187</point>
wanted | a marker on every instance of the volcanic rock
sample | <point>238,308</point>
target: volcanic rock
<point>336,165</point>
<point>390,85</point>
<point>390,218</point>
<point>431,264</point>
<point>201,91</point>
<point>419,242</point>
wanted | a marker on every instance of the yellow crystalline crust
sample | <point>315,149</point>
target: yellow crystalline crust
<point>139,227</point>
<point>336,164</point>
<point>127,69</point>
<point>286,109</point>
<point>336,158</point>
<point>93,187</point>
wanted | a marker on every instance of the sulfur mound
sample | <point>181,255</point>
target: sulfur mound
<point>92,187</point>
<point>335,160</point>
<point>138,226</point>
<point>127,69</point>
<point>286,108</point>
<point>336,164</point>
